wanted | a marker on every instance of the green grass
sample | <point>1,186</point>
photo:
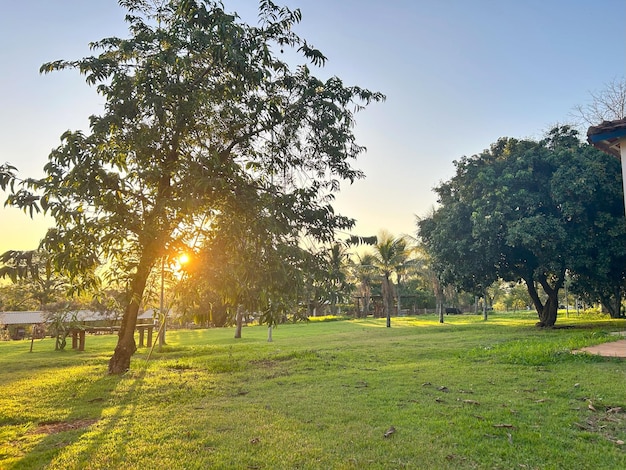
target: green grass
<point>466,394</point>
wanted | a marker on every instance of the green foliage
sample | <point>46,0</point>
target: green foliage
<point>201,118</point>
<point>528,210</point>
<point>35,279</point>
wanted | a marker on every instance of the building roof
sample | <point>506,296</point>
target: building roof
<point>31,318</point>
<point>607,136</point>
<point>21,318</point>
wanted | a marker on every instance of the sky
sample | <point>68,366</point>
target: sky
<point>458,75</point>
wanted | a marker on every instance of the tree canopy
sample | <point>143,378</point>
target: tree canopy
<point>201,117</point>
<point>530,211</point>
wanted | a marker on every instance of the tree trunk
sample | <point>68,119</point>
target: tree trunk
<point>485,315</point>
<point>238,322</point>
<point>398,296</point>
<point>613,304</point>
<point>386,294</point>
<point>269,334</point>
<point>126,346</point>
<point>547,317</point>
<point>548,312</point>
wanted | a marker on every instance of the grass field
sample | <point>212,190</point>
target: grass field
<point>499,394</point>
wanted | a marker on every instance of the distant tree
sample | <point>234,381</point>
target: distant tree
<point>334,280</point>
<point>200,113</point>
<point>607,104</point>
<point>364,272</point>
<point>34,275</point>
<point>61,317</point>
<point>524,210</point>
<point>390,255</point>
<point>17,297</point>
<point>252,263</point>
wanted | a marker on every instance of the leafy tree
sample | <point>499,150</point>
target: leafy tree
<point>252,263</point>
<point>593,197</point>
<point>17,297</point>
<point>61,317</point>
<point>516,212</point>
<point>200,112</point>
<point>32,272</point>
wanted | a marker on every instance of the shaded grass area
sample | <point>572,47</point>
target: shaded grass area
<point>465,394</point>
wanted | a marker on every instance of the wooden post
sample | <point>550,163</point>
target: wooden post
<point>149,341</point>
<point>81,343</point>
<point>140,329</point>
<point>74,338</point>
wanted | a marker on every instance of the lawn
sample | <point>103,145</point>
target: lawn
<point>500,394</point>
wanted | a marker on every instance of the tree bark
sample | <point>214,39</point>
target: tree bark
<point>547,312</point>
<point>126,346</point>
<point>386,295</point>
<point>398,296</point>
<point>485,314</point>
<point>547,317</point>
<point>613,304</point>
<point>238,322</point>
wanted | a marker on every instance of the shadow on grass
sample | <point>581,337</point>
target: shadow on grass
<point>85,414</point>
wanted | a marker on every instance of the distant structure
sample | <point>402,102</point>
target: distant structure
<point>18,324</point>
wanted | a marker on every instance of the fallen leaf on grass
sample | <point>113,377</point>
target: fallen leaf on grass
<point>617,409</point>
<point>443,389</point>
<point>471,402</point>
<point>591,407</point>
<point>619,442</point>
<point>504,425</point>
<point>426,384</point>
<point>389,432</point>
<point>255,440</point>
<point>439,400</point>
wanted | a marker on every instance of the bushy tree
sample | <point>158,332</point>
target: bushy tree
<point>33,274</point>
<point>526,210</point>
<point>200,113</point>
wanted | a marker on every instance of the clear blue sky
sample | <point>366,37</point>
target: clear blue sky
<point>458,74</point>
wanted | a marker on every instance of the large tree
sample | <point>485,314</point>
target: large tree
<point>200,110</point>
<point>517,211</point>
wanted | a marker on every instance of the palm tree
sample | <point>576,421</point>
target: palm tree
<point>336,259</point>
<point>405,263</point>
<point>390,254</point>
<point>364,271</point>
